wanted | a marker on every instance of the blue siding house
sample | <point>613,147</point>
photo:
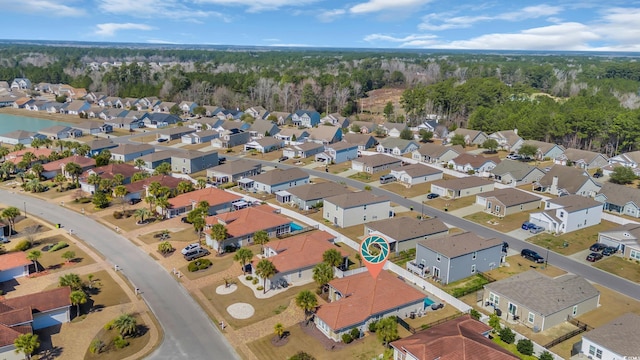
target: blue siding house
<point>306,118</point>
<point>338,153</point>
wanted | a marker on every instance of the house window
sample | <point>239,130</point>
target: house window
<point>299,274</point>
<point>599,353</point>
<point>364,218</point>
<point>592,350</point>
<point>365,207</point>
<point>575,310</point>
<point>585,223</point>
<point>437,257</point>
<point>634,254</point>
<point>531,318</point>
<point>474,255</point>
<point>497,208</point>
<point>561,214</point>
<point>495,299</point>
<point>473,268</point>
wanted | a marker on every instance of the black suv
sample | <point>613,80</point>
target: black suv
<point>196,253</point>
<point>597,247</point>
<point>532,255</point>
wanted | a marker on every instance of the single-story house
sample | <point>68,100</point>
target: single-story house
<point>91,127</point>
<point>337,153</point>
<point>516,173</point>
<point>303,150</point>
<point>363,127</point>
<point>130,152</point>
<point>503,202</point>
<point>546,150</point>
<point>233,171</point>
<point>14,265</point>
<point>628,159</point>
<point>263,128</point>
<point>160,120</point>
<point>138,189</point>
<point>257,112</point>
<point>53,168</point>
<point>325,134</point>
<point>355,208</point>
<point>280,117</point>
<point>415,174</point>
<point>471,137</point>
<point>306,118</point>
<point>363,141</point>
<point>97,145</point>
<point>402,233</point>
<point>460,338</point>
<point>568,213</point>
<point>19,137</point>
<point>436,153</point>
<point>461,187</point>
<point>541,302</point>
<point>564,180</point>
<point>508,140</point>
<point>375,163</point>
<point>617,339</point>
<point>626,238</point>
<point>219,201</point>
<point>164,107</point>
<point>396,146</point>
<point>336,119</point>
<point>230,138</point>
<point>107,172</point>
<point>17,156</point>
<point>112,113</point>
<point>275,180</point>
<point>191,161</point>
<point>476,164</point>
<point>347,296</point>
<point>619,199</point>
<point>244,223</point>
<point>125,123</point>
<point>57,132</point>
<point>309,195</point>
<point>174,133</point>
<point>200,137</point>
<point>75,107</point>
<point>153,160</point>
<point>292,135</point>
<point>393,129</point>
<point>582,159</point>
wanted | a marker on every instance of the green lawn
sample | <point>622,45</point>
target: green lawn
<point>53,261</point>
<point>364,177</point>
<point>506,224</point>
<point>513,349</point>
<point>106,291</point>
<point>575,241</point>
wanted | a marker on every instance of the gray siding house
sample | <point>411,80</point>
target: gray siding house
<point>516,173</point>
<point>356,208</point>
<point>192,161</point>
<point>309,195</point>
<point>620,199</point>
<point>130,152</point>
<point>275,180</point>
<point>375,163</point>
<point>402,233</point>
<point>234,171</point>
<point>338,153</point>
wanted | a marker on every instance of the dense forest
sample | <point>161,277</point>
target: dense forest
<point>583,101</point>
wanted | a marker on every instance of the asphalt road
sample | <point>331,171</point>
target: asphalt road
<point>188,331</point>
<point>590,273</point>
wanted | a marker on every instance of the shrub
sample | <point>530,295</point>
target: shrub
<point>23,245</point>
<point>474,314</point>
<point>96,346</point>
<point>494,322</point>
<point>108,326</point>
<point>347,338</point>
<point>372,326</point>
<point>117,215</point>
<point>84,200</point>
<point>120,342</point>
<point>355,333</point>
<point>302,356</point>
<point>260,288</point>
<point>254,281</point>
<point>545,356</point>
<point>199,264</point>
<point>525,347</point>
<point>58,246</point>
<point>507,335</point>
<point>248,277</point>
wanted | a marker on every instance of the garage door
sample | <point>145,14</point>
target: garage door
<point>56,317</point>
<point>11,274</point>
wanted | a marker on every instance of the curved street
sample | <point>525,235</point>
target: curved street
<point>188,331</point>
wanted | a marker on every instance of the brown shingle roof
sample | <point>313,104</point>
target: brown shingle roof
<point>459,244</point>
<point>475,161</point>
<point>9,334</point>
<point>511,197</point>
<point>416,170</point>
<point>359,198</point>
<point>42,301</point>
<point>236,167</point>
<point>619,336</point>
<point>318,190</point>
<point>108,171</point>
<point>462,183</point>
<point>83,161</point>
<point>164,180</point>
<point>279,176</point>
<point>301,251</point>
<point>406,228</point>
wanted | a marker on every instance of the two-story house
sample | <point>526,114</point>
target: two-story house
<point>355,208</point>
<point>508,140</point>
<point>402,233</point>
<point>306,118</point>
<point>568,213</point>
<point>192,161</point>
<point>396,146</point>
<point>338,153</point>
<point>436,154</point>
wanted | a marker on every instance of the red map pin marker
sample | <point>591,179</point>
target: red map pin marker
<point>374,251</point>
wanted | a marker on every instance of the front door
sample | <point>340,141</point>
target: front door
<point>512,309</point>
<point>436,272</point>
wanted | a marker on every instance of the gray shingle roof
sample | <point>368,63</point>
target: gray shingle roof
<point>578,154</point>
<point>355,199</point>
<point>279,176</point>
<point>517,169</point>
<point>620,194</point>
<point>236,167</point>
<point>390,143</point>
<point>459,244</point>
<point>572,203</point>
<point>415,170</point>
<point>511,197</point>
<point>462,183</point>
<point>569,178</point>
<point>543,294</point>
<point>620,335</point>
<point>436,150</point>
<point>123,149</point>
<point>406,228</point>
<point>377,160</point>
<point>318,191</point>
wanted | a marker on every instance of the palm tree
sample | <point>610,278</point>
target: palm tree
<point>94,179</point>
<point>265,269</point>
<point>278,329</point>
<point>387,330</point>
<point>201,183</point>
<point>126,324</point>
<point>77,298</point>
<point>10,213</point>
<point>60,143</point>
<point>34,255</point>
<point>59,179</point>
<point>198,225</point>
<point>71,280</point>
<point>106,184</point>
<point>333,257</point>
<point>28,157</point>
<point>219,233</point>
<point>163,203</point>
<point>37,169</point>
<point>242,256</point>
<point>120,191</point>
<point>307,301</point>
<point>118,179</point>
<point>261,237</point>
<point>185,187</point>
<point>359,258</point>
<point>154,188</point>
<point>142,214</point>
<point>322,274</point>
<point>47,142</point>
<point>163,169</point>
<point>18,147</point>
<point>26,344</point>
<point>74,170</point>
<point>151,200</point>
<point>36,143</point>
<point>139,163</point>
<point>4,152</point>
<point>83,150</point>
<point>165,247</point>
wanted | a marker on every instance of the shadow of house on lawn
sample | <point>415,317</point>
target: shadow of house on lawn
<point>47,350</point>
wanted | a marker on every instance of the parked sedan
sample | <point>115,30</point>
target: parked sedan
<point>432,196</point>
<point>197,253</point>
<point>190,247</point>
<point>536,229</point>
<point>594,256</point>
<point>597,247</point>
<point>609,250</point>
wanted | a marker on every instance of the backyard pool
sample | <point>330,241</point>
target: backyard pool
<point>296,227</point>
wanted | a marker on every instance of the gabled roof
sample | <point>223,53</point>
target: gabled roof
<point>249,220</point>
<point>19,134</point>
<point>212,195</point>
<point>42,301</point>
<point>457,339</point>
<point>543,147</point>
<point>619,335</point>
<point>578,154</point>
<point>341,145</point>
<point>628,157</point>
<point>542,294</point>
<point>390,143</point>
<point>416,170</point>
<point>511,137</point>
<point>436,150</point>
<point>268,142</point>
<point>462,183</point>
<point>83,161</point>
<point>236,167</point>
<point>301,251</point>
<point>466,132</point>
<point>124,149</point>
<point>309,145</point>
<point>279,176</point>
<point>572,203</point>
<point>459,244</point>
<point>323,132</point>
<point>262,126</point>
<point>54,129</point>
<point>293,131</point>
<point>355,199</point>
<point>475,161</point>
<point>363,296</point>
<point>518,169</point>
<point>620,194</point>
<point>177,130</point>
<point>359,139</point>
<point>407,228</point>
<point>192,154</point>
<point>569,178</point>
<point>510,196</point>
<point>317,191</point>
<point>377,160</point>
<point>89,124</point>
<point>13,260</point>
<point>108,171</point>
<point>164,180</point>
<point>160,155</point>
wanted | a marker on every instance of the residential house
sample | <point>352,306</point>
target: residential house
<point>219,201</point>
<point>275,180</point>
<point>568,213</point>
<point>436,154</point>
<point>192,161</point>
<point>137,115</point>
<point>261,128</point>
<point>229,114</point>
<point>106,172</point>
<point>280,117</point>
<point>628,159</point>
<point>438,129</point>
<point>295,257</point>
<point>257,112</point>
<point>303,150</point>
<point>471,137</point>
<point>460,338</point>
<point>461,187</point>
<point>508,140</point>
<point>75,107</point>
<point>91,127</point>
<point>205,124</point>
<point>307,196</point>
<point>125,123</point>
<point>109,101</point>
<point>21,84</point>
<point>187,107</point>
<point>174,133</point>
<point>55,107</point>
<point>211,111</point>
<point>364,127</point>
<point>626,238</point>
<point>129,103</point>
<point>564,180</point>
<point>200,137</point>
<point>38,105</point>
<point>415,174</point>
<point>357,300</point>
<point>338,153</point>
<point>112,114</point>
<point>546,150</point>
<point>56,132</point>
<point>19,137</point>
<point>325,134</point>
<point>475,164</point>
<point>458,256</point>
<point>375,163</point>
<point>160,120</point>
<point>7,100</point>
<point>402,233</point>
<point>23,103</point>
<point>292,135</point>
<point>393,129</point>
<point>17,156</point>
<point>582,159</point>
<point>516,173</point>
<point>233,171</point>
<point>396,146</point>
<point>363,141</point>
<point>356,208</point>
<point>336,119</point>
<point>503,202</point>
<point>541,302</point>
<point>619,199</point>
<point>53,168</point>
<point>94,97</point>
<point>14,265</point>
<point>242,224</point>
<point>153,160</point>
<point>139,189</point>
<point>130,152</point>
<point>264,145</point>
<point>306,118</point>
<point>164,107</point>
<point>148,103</point>
<point>231,138</point>
<point>97,145</point>
<point>616,339</point>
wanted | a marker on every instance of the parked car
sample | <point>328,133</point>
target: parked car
<point>4,240</point>
<point>528,225</point>
<point>222,160</point>
<point>432,196</point>
<point>134,201</point>
<point>536,229</point>
<point>609,250</point>
<point>513,156</point>
<point>185,220</point>
<point>197,253</point>
<point>594,256</point>
<point>190,247</point>
<point>532,255</point>
<point>161,140</point>
<point>597,175</point>
<point>284,158</point>
<point>385,179</point>
<point>597,247</point>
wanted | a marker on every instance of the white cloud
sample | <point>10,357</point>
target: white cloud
<point>409,38</point>
<point>291,45</point>
<point>258,5</point>
<point>330,15</point>
<point>172,9</point>
<point>48,7</point>
<point>160,41</point>
<point>382,5</point>
<point>110,29</point>
<point>620,24</point>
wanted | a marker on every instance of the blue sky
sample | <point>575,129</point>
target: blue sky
<point>501,25</point>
